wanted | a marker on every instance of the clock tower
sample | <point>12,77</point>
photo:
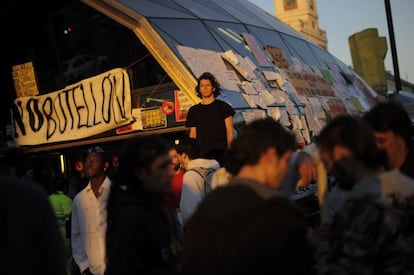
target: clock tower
<point>302,16</point>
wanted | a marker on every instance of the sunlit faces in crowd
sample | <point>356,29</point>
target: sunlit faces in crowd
<point>278,165</point>
<point>394,145</point>
<point>206,88</point>
<point>94,164</point>
<point>175,159</point>
<point>158,175</point>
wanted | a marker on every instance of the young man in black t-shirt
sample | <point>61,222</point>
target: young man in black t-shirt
<point>211,121</point>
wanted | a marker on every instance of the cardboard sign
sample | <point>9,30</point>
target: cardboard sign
<point>24,80</point>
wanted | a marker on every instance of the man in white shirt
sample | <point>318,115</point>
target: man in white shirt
<point>89,215</point>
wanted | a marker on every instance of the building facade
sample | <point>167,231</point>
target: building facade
<point>302,15</point>
<point>265,68</point>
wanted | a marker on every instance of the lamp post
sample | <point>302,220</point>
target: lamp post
<point>393,48</point>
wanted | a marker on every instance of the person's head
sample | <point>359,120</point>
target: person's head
<point>188,149</point>
<point>265,146</point>
<point>207,85</point>
<point>175,158</point>
<point>145,164</point>
<point>344,144</point>
<point>60,183</point>
<point>97,163</point>
<point>392,127</point>
<point>390,117</point>
<point>25,169</point>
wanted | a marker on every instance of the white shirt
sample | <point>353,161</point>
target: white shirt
<point>89,228</point>
<point>192,192</point>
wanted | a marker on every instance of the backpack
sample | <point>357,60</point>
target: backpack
<point>207,175</point>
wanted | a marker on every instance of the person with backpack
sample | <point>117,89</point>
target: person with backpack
<point>248,226</point>
<point>197,176</point>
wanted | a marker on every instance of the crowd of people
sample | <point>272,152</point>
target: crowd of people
<point>153,214</point>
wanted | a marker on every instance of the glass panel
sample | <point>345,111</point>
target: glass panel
<point>272,38</point>
<point>263,18</point>
<point>160,8</point>
<point>202,11</point>
<point>234,99</point>
<point>181,32</point>
<point>230,34</point>
<point>301,50</point>
<point>346,69</point>
<point>241,12</point>
<point>328,59</point>
<point>325,57</point>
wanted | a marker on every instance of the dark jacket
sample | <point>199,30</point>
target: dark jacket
<point>246,228</point>
<point>30,239</point>
<point>141,236</point>
<point>408,166</point>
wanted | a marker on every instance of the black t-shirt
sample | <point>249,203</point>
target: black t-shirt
<point>139,234</point>
<point>209,121</point>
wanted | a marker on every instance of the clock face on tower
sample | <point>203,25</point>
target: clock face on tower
<point>289,4</point>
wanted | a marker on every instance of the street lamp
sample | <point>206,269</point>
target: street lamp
<point>393,48</point>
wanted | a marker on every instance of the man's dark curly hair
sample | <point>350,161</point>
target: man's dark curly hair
<point>214,83</point>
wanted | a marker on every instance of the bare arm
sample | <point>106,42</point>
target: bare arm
<point>307,168</point>
<point>228,121</point>
<point>193,132</point>
<point>322,181</point>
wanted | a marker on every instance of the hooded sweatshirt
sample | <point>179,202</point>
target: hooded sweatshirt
<point>193,186</point>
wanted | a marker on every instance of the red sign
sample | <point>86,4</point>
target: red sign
<point>167,107</point>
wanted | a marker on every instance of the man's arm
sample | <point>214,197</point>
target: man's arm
<point>193,132</point>
<point>301,167</point>
<point>307,168</point>
<point>228,121</point>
